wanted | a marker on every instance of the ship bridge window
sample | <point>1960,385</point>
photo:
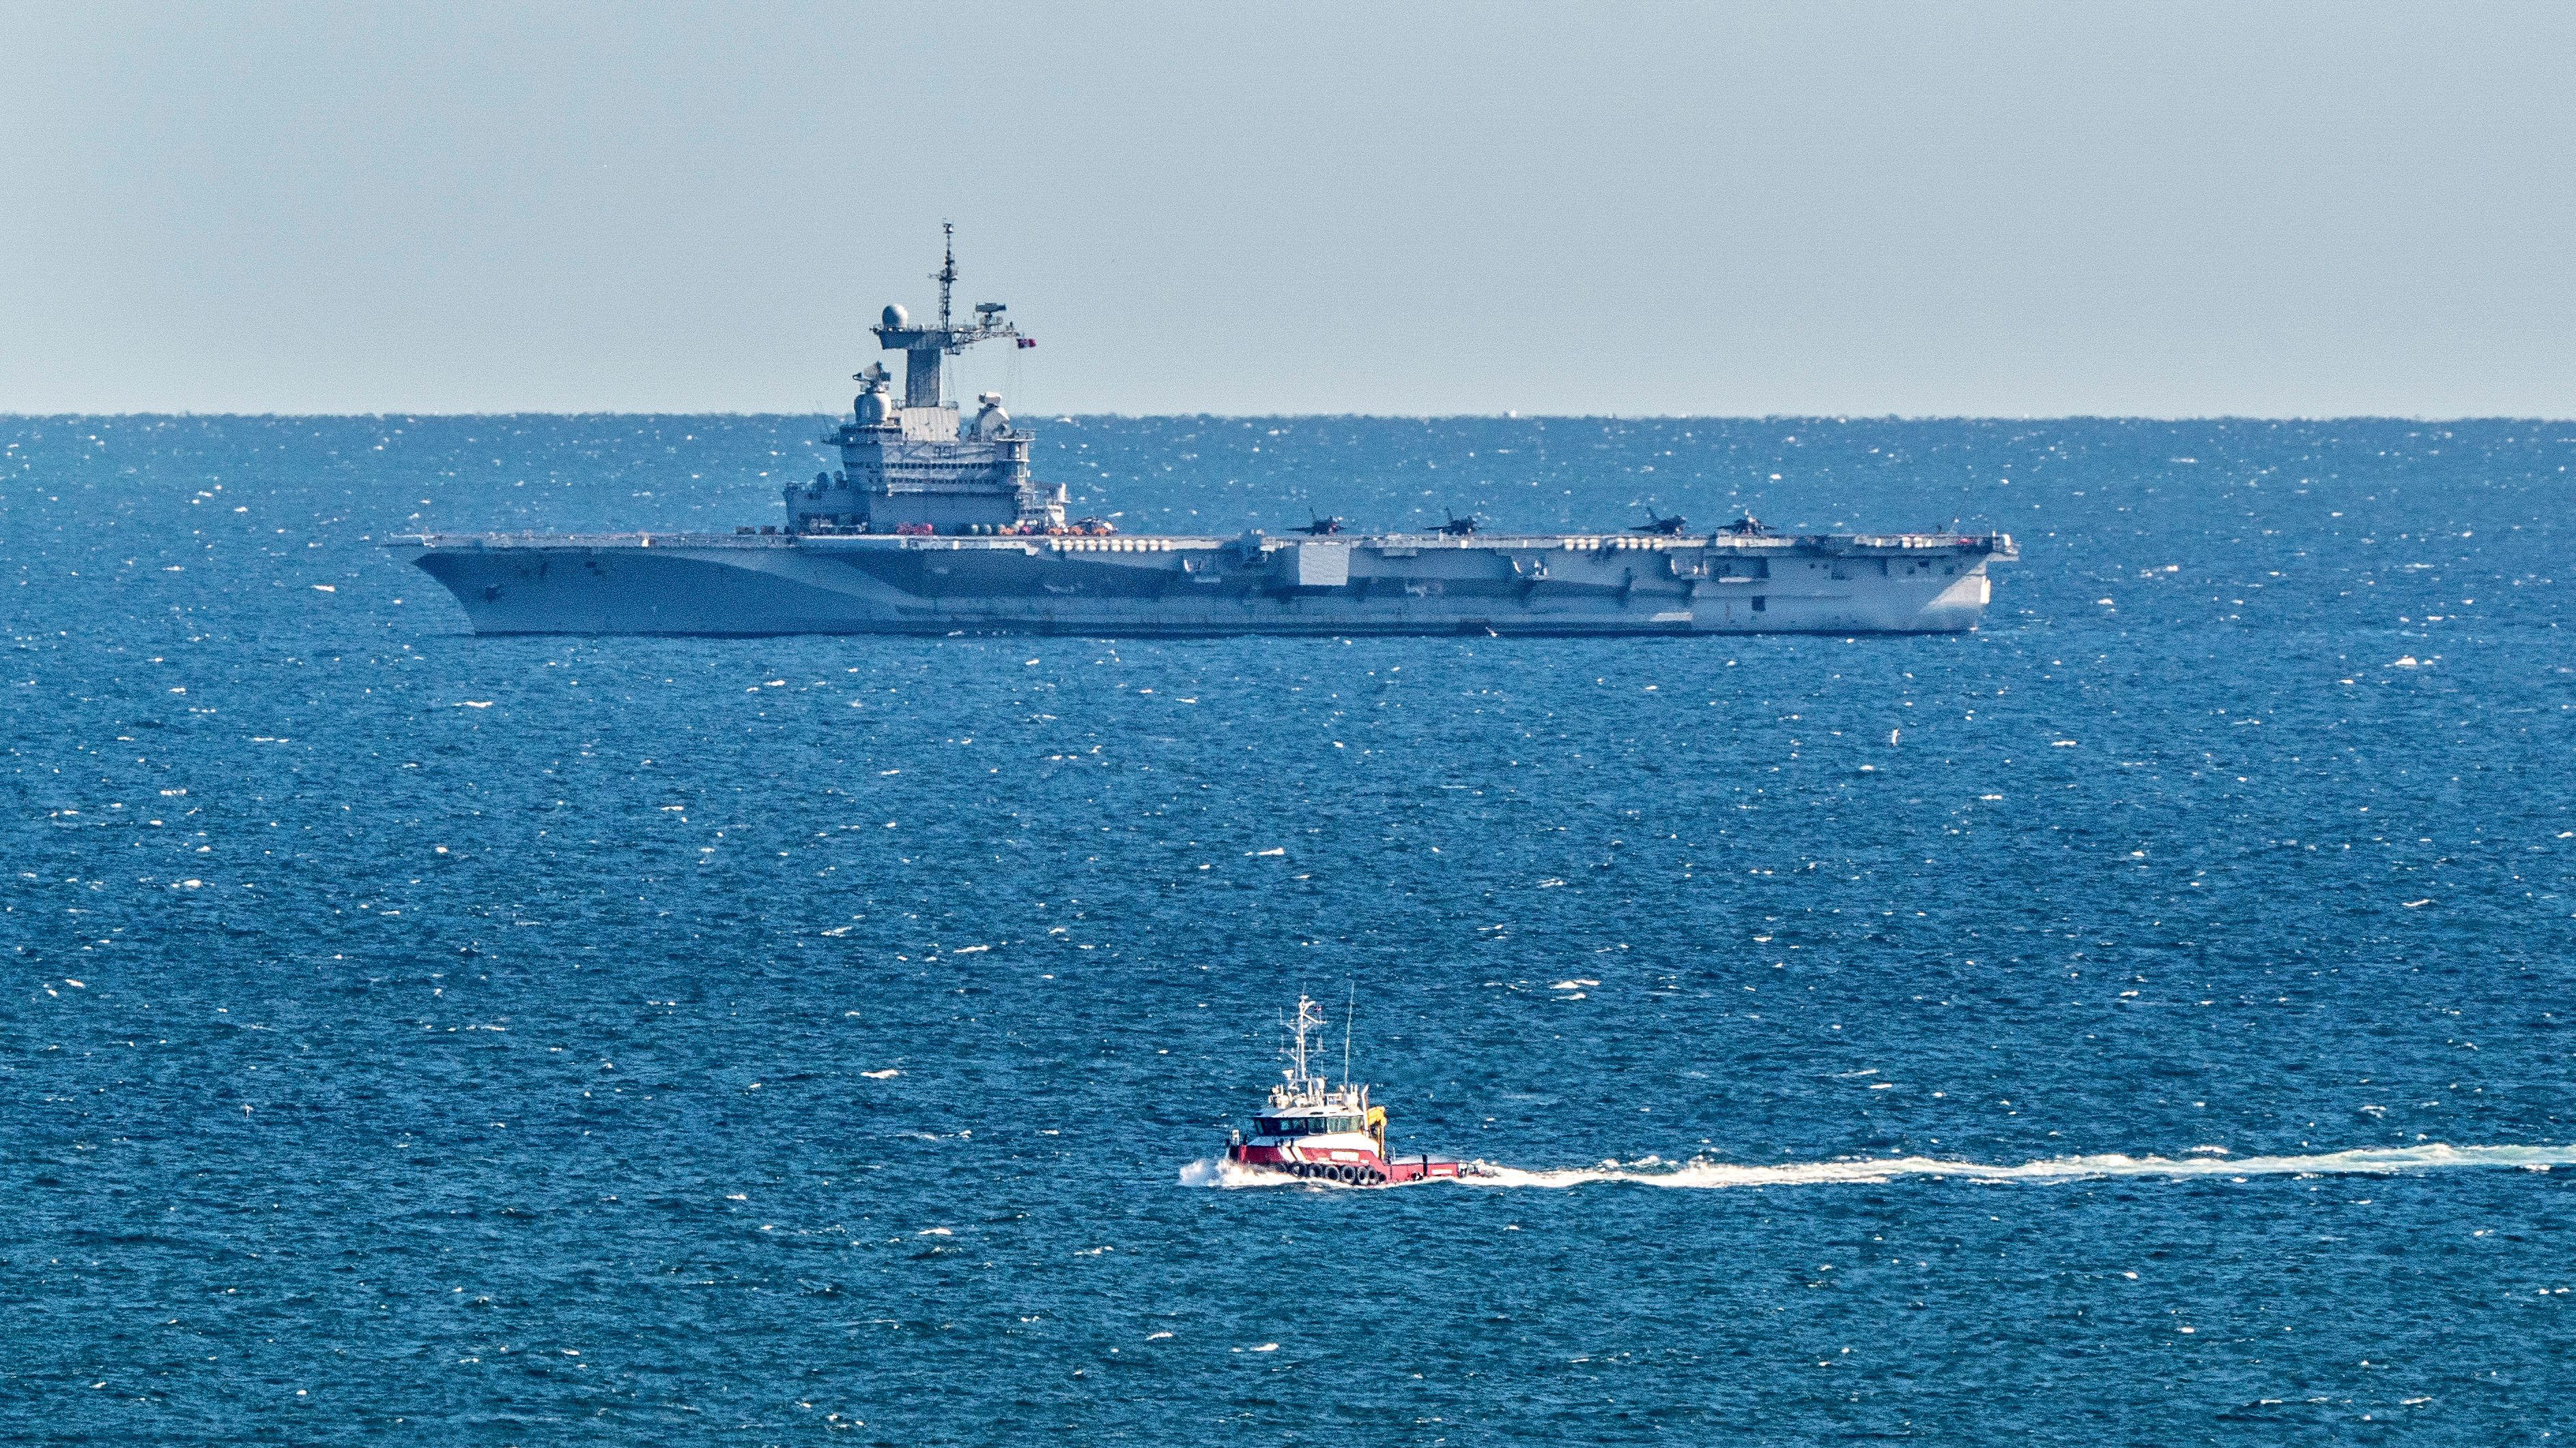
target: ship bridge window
<point>1304,1125</point>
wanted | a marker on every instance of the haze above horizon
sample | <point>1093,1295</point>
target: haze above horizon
<point>1983,210</point>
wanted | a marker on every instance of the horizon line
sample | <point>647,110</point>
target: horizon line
<point>1507,416</point>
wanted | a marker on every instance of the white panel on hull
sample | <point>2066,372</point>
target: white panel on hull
<point>1321,565</point>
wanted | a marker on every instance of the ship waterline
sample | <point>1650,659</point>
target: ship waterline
<point>1149,586</point>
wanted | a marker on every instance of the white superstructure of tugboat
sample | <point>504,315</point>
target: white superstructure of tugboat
<point>1321,1132</point>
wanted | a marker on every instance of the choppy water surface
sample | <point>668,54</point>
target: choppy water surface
<point>2143,1020</point>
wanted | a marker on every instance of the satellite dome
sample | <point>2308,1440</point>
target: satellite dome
<point>895,316</point>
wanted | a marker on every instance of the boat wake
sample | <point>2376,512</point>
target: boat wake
<point>1704,1173</point>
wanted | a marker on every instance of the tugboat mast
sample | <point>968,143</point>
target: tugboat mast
<point>1302,1086</point>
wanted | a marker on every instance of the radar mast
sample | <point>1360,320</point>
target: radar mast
<point>946,276</point>
<point>922,346</point>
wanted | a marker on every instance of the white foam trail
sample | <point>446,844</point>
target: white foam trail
<point>1703,1173</point>
<point>2361,1161</point>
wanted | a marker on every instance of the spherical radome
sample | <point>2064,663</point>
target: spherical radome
<point>895,316</point>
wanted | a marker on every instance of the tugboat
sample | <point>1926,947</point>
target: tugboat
<point>1326,1133</point>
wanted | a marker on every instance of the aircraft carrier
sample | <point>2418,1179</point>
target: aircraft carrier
<point>933,524</point>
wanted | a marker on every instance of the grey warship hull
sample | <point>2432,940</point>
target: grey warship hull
<point>1122,586</point>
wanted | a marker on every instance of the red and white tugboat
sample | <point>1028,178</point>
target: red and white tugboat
<point>1326,1133</point>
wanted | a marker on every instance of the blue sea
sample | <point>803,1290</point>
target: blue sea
<point>2144,1020</point>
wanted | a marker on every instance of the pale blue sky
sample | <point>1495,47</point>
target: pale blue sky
<point>1979,208</point>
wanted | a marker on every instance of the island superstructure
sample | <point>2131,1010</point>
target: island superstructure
<point>909,467</point>
<point>934,524</point>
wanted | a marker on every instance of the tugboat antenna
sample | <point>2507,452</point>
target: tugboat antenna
<point>1347,1008</point>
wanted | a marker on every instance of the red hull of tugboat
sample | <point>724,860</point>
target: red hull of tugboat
<point>1350,1167</point>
